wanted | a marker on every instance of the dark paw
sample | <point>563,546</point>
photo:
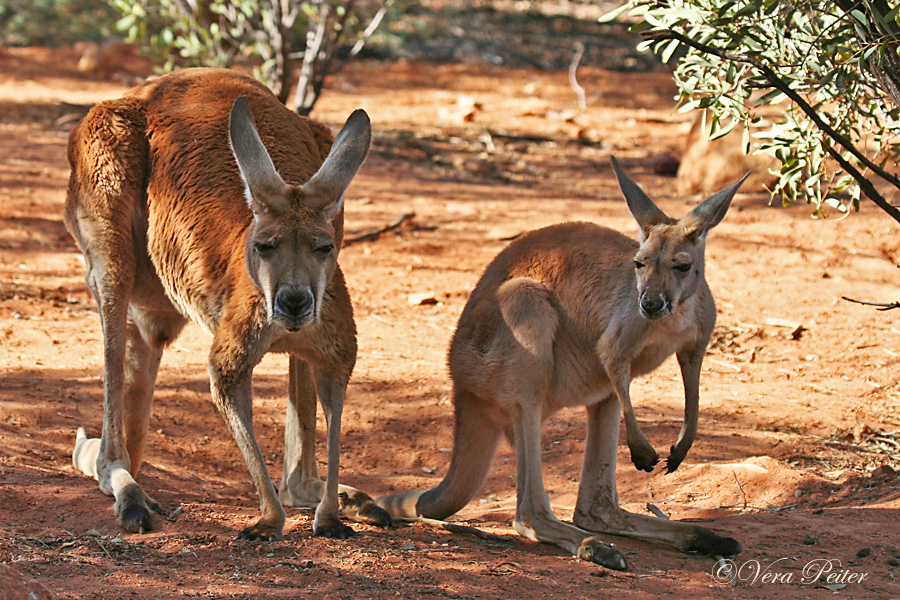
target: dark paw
<point>676,455</point>
<point>133,510</point>
<point>360,508</point>
<point>333,529</point>
<point>644,458</point>
<point>595,551</point>
<point>262,532</point>
<point>704,541</point>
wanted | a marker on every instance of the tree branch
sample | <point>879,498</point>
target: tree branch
<point>880,305</point>
<point>772,77</point>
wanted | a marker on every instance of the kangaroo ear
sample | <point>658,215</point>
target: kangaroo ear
<point>263,186</point>
<point>642,208</point>
<point>711,211</point>
<point>348,152</point>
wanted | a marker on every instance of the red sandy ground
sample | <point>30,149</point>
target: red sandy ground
<point>789,423</point>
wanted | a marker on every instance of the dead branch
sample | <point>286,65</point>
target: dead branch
<point>573,80</point>
<point>373,25</point>
<point>881,305</point>
<point>456,528</point>
<point>372,235</point>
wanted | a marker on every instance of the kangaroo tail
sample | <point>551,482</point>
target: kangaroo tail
<point>476,436</point>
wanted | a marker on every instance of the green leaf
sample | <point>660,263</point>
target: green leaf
<point>834,586</point>
<point>613,14</point>
<point>669,50</point>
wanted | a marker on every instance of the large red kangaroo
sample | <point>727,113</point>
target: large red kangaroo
<point>567,316</point>
<point>184,210</point>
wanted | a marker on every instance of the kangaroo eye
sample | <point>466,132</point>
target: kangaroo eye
<point>264,248</point>
<point>683,268</point>
<point>638,264</point>
<point>324,250</point>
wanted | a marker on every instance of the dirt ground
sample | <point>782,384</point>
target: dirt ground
<point>799,391</point>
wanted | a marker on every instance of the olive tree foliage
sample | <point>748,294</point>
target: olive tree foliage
<point>53,22</point>
<point>260,34</point>
<point>833,66</point>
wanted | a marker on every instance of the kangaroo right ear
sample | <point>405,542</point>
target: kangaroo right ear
<point>263,186</point>
<point>645,212</point>
<point>711,211</point>
<point>347,154</point>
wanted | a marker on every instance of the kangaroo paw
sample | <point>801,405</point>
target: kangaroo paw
<point>332,528</point>
<point>133,509</point>
<point>643,456</point>
<point>704,541</point>
<point>676,455</point>
<point>360,508</point>
<point>595,551</point>
<point>263,532</point>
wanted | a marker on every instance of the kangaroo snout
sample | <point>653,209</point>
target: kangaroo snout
<point>294,306</point>
<point>655,306</point>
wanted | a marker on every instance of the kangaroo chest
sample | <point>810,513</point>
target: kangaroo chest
<point>666,337</point>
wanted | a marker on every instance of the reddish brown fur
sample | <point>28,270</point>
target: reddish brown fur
<point>170,226</point>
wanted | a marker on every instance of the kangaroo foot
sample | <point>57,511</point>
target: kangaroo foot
<point>133,508</point>
<point>704,541</point>
<point>595,551</point>
<point>332,528</point>
<point>360,508</point>
<point>262,531</point>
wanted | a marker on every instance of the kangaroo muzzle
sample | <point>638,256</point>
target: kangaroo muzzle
<point>294,307</point>
<point>655,306</point>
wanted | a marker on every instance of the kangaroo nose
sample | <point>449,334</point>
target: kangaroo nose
<point>294,302</point>
<point>652,305</point>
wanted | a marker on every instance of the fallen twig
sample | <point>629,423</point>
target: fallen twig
<point>881,305</point>
<point>105,551</point>
<point>372,235</point>
<point>656,511</point>
<point>457,528</point>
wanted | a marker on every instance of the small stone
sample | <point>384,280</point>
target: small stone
<point>505,232</point>
<point>421,299</point>
<point>92,533</point>
<point>894,562</point>
<point>864,552</point>
<point>666,164</point>
<point>809,540</point>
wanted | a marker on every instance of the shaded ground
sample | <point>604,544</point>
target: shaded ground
<point>799,389</point>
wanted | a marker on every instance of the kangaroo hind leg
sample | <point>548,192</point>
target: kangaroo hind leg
<point>104,206</point>
<point>597,508</point>
<point>532,321</point>
<point>300,483</point>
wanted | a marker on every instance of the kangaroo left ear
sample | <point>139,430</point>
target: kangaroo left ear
<point>326,187</point>
<point>711,211</point>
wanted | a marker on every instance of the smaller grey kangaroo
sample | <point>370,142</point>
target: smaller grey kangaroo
<point>565,316</point>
